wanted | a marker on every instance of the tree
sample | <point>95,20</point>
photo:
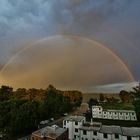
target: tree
<point>136,93</point>
<point>92,102</point>
<point>102,98</point>
<point>5,92</point>
<point>126,96</point>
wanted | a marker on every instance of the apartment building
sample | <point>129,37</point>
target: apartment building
<point>99,112</point>
<point>79,129</point>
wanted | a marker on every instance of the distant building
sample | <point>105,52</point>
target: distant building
<point>50,133</point>
<point>99,112</point>
<point>81,130</point>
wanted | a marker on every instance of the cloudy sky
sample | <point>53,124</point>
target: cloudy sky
<point>113,23</point>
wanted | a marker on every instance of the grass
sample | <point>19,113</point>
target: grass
<point>118,106</point>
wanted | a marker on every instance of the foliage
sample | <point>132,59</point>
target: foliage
<point>126,96</point>
<point>102,98</point>
<point>5,92</point>
<point>136,93</point>
<point>92,102</point>
<point>22,116</point>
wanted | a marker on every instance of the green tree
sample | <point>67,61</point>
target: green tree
<point>136,93</point>
<point>92,102</point>
<point>102,98</point>
<point>5,92</point>
<point>126,96</point>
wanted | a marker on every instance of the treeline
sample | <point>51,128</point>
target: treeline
<point>20,115</point>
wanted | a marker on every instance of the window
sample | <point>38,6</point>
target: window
<point>76,123</point>
<point>86,138</point>
<point>93,139</point>
<point>76,130</point>
<point>116,136</point>
<point>105,135</point>
<point>95,133</point>
<point>64,122</point>
<point>129,138</point>
<point>75,136</point>
<point>84,132</point>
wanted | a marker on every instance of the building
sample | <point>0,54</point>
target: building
<point>50,133</point>
<point>72,123</point>
<point>99,112</point>
<point>81,130</point>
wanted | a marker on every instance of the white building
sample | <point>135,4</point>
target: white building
<point>73,124</point>
<point>80,130</point>
<point>99,112</point>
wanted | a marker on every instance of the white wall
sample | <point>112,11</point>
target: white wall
<point>98,112</point>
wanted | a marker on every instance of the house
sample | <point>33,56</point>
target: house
<point>99,112</point>
<point>72,123</point>
<point>80,130</point>
<point>50,133</point>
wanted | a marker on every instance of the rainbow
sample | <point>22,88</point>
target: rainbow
<point>72,37</point>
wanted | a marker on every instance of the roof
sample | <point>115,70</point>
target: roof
<point>49,131</point>
<point>75,118</point>
<point>114,110</point>
<point>131,131</point>
<point>122,111</point>
<point>94,126</point>
<point>96,106</point>
<point>111,129</point>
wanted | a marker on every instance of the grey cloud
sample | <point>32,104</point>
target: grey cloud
<point>64,61</point>
<point>114,23</point>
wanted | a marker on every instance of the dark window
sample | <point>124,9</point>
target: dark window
<point>116,136</point>
<point>84,132</point>
<point>86,138</point>
<point>76,123</point>
<point>129,138</point>
<point>75,136</point>
<point>64,122</point>
<point>105,135</point>
<point>76,130</point>
<point>93,139</point>
<point>95,133</point>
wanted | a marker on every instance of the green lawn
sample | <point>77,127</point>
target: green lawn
<point>118,106</point>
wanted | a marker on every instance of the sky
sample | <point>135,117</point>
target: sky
<point>113,23</point>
